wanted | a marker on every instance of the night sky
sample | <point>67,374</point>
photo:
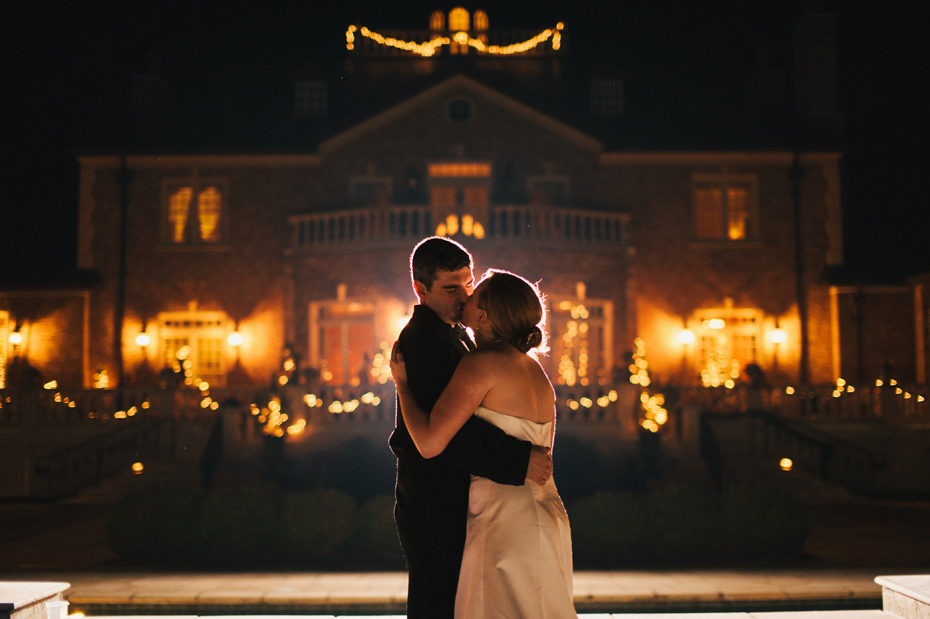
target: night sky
<point>67,68</point>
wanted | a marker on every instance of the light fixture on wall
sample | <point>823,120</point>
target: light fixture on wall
<point>235,338</point>
<point>16,337</point>
<point>143,339</point>
<point>686,336</point>
<point>779,336</point>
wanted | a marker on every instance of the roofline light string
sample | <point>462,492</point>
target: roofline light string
<point>429,48</point>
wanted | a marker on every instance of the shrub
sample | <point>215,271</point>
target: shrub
<point>317,524</point>
<point>239,526</point>
<point>375,543</point>
<point>157,526</point>
<point>608,528</point>
<point>686,525</point>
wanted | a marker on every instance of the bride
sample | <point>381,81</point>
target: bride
<point>518,557</point>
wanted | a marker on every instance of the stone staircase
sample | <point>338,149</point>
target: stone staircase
<point>794,455</point>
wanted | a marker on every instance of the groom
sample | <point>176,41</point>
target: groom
<point>431,506</point>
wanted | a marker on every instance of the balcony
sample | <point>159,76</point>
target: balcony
<point>536,227</point>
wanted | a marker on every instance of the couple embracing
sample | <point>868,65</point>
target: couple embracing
<point>482,526</point>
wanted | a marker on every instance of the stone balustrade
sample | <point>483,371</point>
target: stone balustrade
<point>391,226</point>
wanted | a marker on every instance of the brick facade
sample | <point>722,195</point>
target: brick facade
<point>654,281</point>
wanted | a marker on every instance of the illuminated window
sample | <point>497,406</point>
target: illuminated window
<point>370,191</point>
<point>4,345</point>
<point>728,341</point>
<point>437,21</point>
<point>607,97</point>
<point>580,352</point>
<point>460,194</point>
<point>481,20</point>
<point>311,99</point>
<point>547,191</point>
<point>459,184</point>
<point>194,212</point>
<point>459,170</point>
<point>459,21</point>
<point>724,208</point>
<point>443,195</point>
<point>194,344</point>
<point>342,341</point>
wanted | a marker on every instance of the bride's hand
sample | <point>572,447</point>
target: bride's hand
<point>398,369</point>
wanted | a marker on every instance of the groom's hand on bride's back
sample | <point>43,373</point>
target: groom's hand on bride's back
<point>539,469</point>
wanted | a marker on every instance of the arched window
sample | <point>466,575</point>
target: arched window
<point>437,21</point>
<point>481,20</point>
<point>458,19</point>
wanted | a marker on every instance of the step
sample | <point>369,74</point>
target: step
<point>906,596</point>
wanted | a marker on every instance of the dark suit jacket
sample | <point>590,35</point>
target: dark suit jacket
<point>432,495</point>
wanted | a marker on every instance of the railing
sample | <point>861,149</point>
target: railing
<point>101,457</point>
<point>508,224</point>
<point>111,407</point>
<point>895,404</point>
<point>830,458</point>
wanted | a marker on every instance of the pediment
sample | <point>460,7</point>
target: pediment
<point>469,89</point>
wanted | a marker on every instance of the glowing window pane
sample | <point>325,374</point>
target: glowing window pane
<point>708,206</point>
<point>209,207</point>
<point>737,212</point>
<point>442,196</point>
<point>476,195</point>
<point>178,208</point>
<point>481,20</point>
<point>437,21</point>
<point>437,170</point>
<point>209,356</point>
<point>458,19</point>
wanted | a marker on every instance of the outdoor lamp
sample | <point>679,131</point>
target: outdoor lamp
<point>779,336</point>
<point>143,339</point>
<point>235,338</point>
<point>16,338</point>
<point>686,336</point>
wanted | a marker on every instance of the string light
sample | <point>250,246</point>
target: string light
<point>428,48</point>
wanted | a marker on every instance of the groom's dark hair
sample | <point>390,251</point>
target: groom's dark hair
<point>435,254</point>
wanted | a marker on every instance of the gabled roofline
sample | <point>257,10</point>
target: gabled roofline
<point>447,87</point>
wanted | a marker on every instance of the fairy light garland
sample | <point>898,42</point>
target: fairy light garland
<point>652,411</point>
<point>428,48</point>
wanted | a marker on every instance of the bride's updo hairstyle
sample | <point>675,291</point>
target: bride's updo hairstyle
<point>515,309</point>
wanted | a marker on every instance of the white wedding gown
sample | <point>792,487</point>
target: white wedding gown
<point>518,549</point>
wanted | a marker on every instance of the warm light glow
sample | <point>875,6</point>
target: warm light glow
<point>686,336</point>
<point>16,338</point>
<point>235,339</point>
<point>452,224</point>
<point>715,323</point>
<point>785,464</point>
<point>53,384</point>
<point>428,48</point>
<point>143,339</point>
<point>779,336</point>
<point>137,468</point>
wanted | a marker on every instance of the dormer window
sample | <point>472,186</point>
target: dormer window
<point>311,99</point>
<point>607,97</point>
